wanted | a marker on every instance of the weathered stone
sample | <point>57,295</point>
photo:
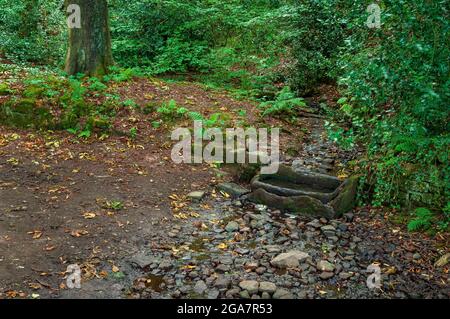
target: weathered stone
<point>328,228</point>
<point>305,192</point>
<point>265,295</point>
<point>233,189</point>
<point>345,275</point>
<point>282,294</point>
<point>345,200</point>
<point>326,266</point>
<point>290,259</point>
<point>143,260</point>
<point>222,282</point>
<point>268,287</point>
<point>213,294</point>
<point>300,183</point>
<point>252,286</point>
<point>165,265</point>
<point>303,205</point>
<point>244,294</point>
<point>200,287</point>
<point>326,275</point>
<point>232,227</point>
<point>196,196</point>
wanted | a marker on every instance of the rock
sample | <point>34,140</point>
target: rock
<point>244,294</point>
<point>142,260</point>
<point>313,194</point>
<point>326,275</point>
<point>165,265</point>
<point>252,286</point>
<point>232,293</point>
<point>260,270</point>
<point>443,261</point>
<point>268,287</point>
<point>417,256</point>
<point>232,227</point>
<point>233,189</point>
<point>222,268</point>
<point>290,259</point>
<point>343,227</point>
<point>314,224</point>
<point>319,186</point>
<point>213,294</point>
<point>326,266</point>
<point>345,275</point>
<point>272,248</point>
<point>345,201</point>
<point>265,295</point>
<point>251,265</point>
<point>327,228</point>
<point>282,294</point>
<point>200,287</point>
<point>303,205</point>
<point>222,282</point>
<point>196,196</point>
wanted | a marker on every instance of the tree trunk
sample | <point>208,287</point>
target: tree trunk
<point>90,46</point>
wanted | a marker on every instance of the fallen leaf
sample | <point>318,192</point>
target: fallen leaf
<point>35,286</point>
<point>79,233</point>
<point>36,234</point>
<point>89,215</point>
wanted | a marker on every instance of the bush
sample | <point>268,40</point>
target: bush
<point>396,81</point>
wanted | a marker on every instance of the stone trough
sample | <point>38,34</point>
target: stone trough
<point>305,192</point>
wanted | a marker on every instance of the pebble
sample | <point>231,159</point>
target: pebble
<point>232,227</point>
<point>200,287</point>
<point>282,294</point>
<point>290,259</point>
<point>268,287</point>
<point>325,265</point>
<point>252,286</point>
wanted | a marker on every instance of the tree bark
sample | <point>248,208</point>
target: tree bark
<point>89,49</point>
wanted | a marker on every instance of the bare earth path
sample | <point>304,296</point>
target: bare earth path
<point>118,209</point>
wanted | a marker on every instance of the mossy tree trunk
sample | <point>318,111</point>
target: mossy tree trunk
<point>89,49</point>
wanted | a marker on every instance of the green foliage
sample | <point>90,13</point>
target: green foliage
<point>170,111</point>
<point>33,30</point>
<point>397,96</point>
<point>315,32</point>
<point>286,104</point>
<point>422,221</point>
<point>4,89</point>
<point>48,101</point>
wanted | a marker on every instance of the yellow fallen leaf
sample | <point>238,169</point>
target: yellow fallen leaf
<point>36,234</point>
<point>222,246</point>
<point>115,268</point>
<point>49,248</point>
<point>35,286</point>
<point>89,215</point>
<point>78,233</point>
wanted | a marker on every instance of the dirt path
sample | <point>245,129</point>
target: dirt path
<point>118,209</point>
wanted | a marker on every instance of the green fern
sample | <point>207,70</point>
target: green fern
<point>423,220</point>
<point>285,104</point>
